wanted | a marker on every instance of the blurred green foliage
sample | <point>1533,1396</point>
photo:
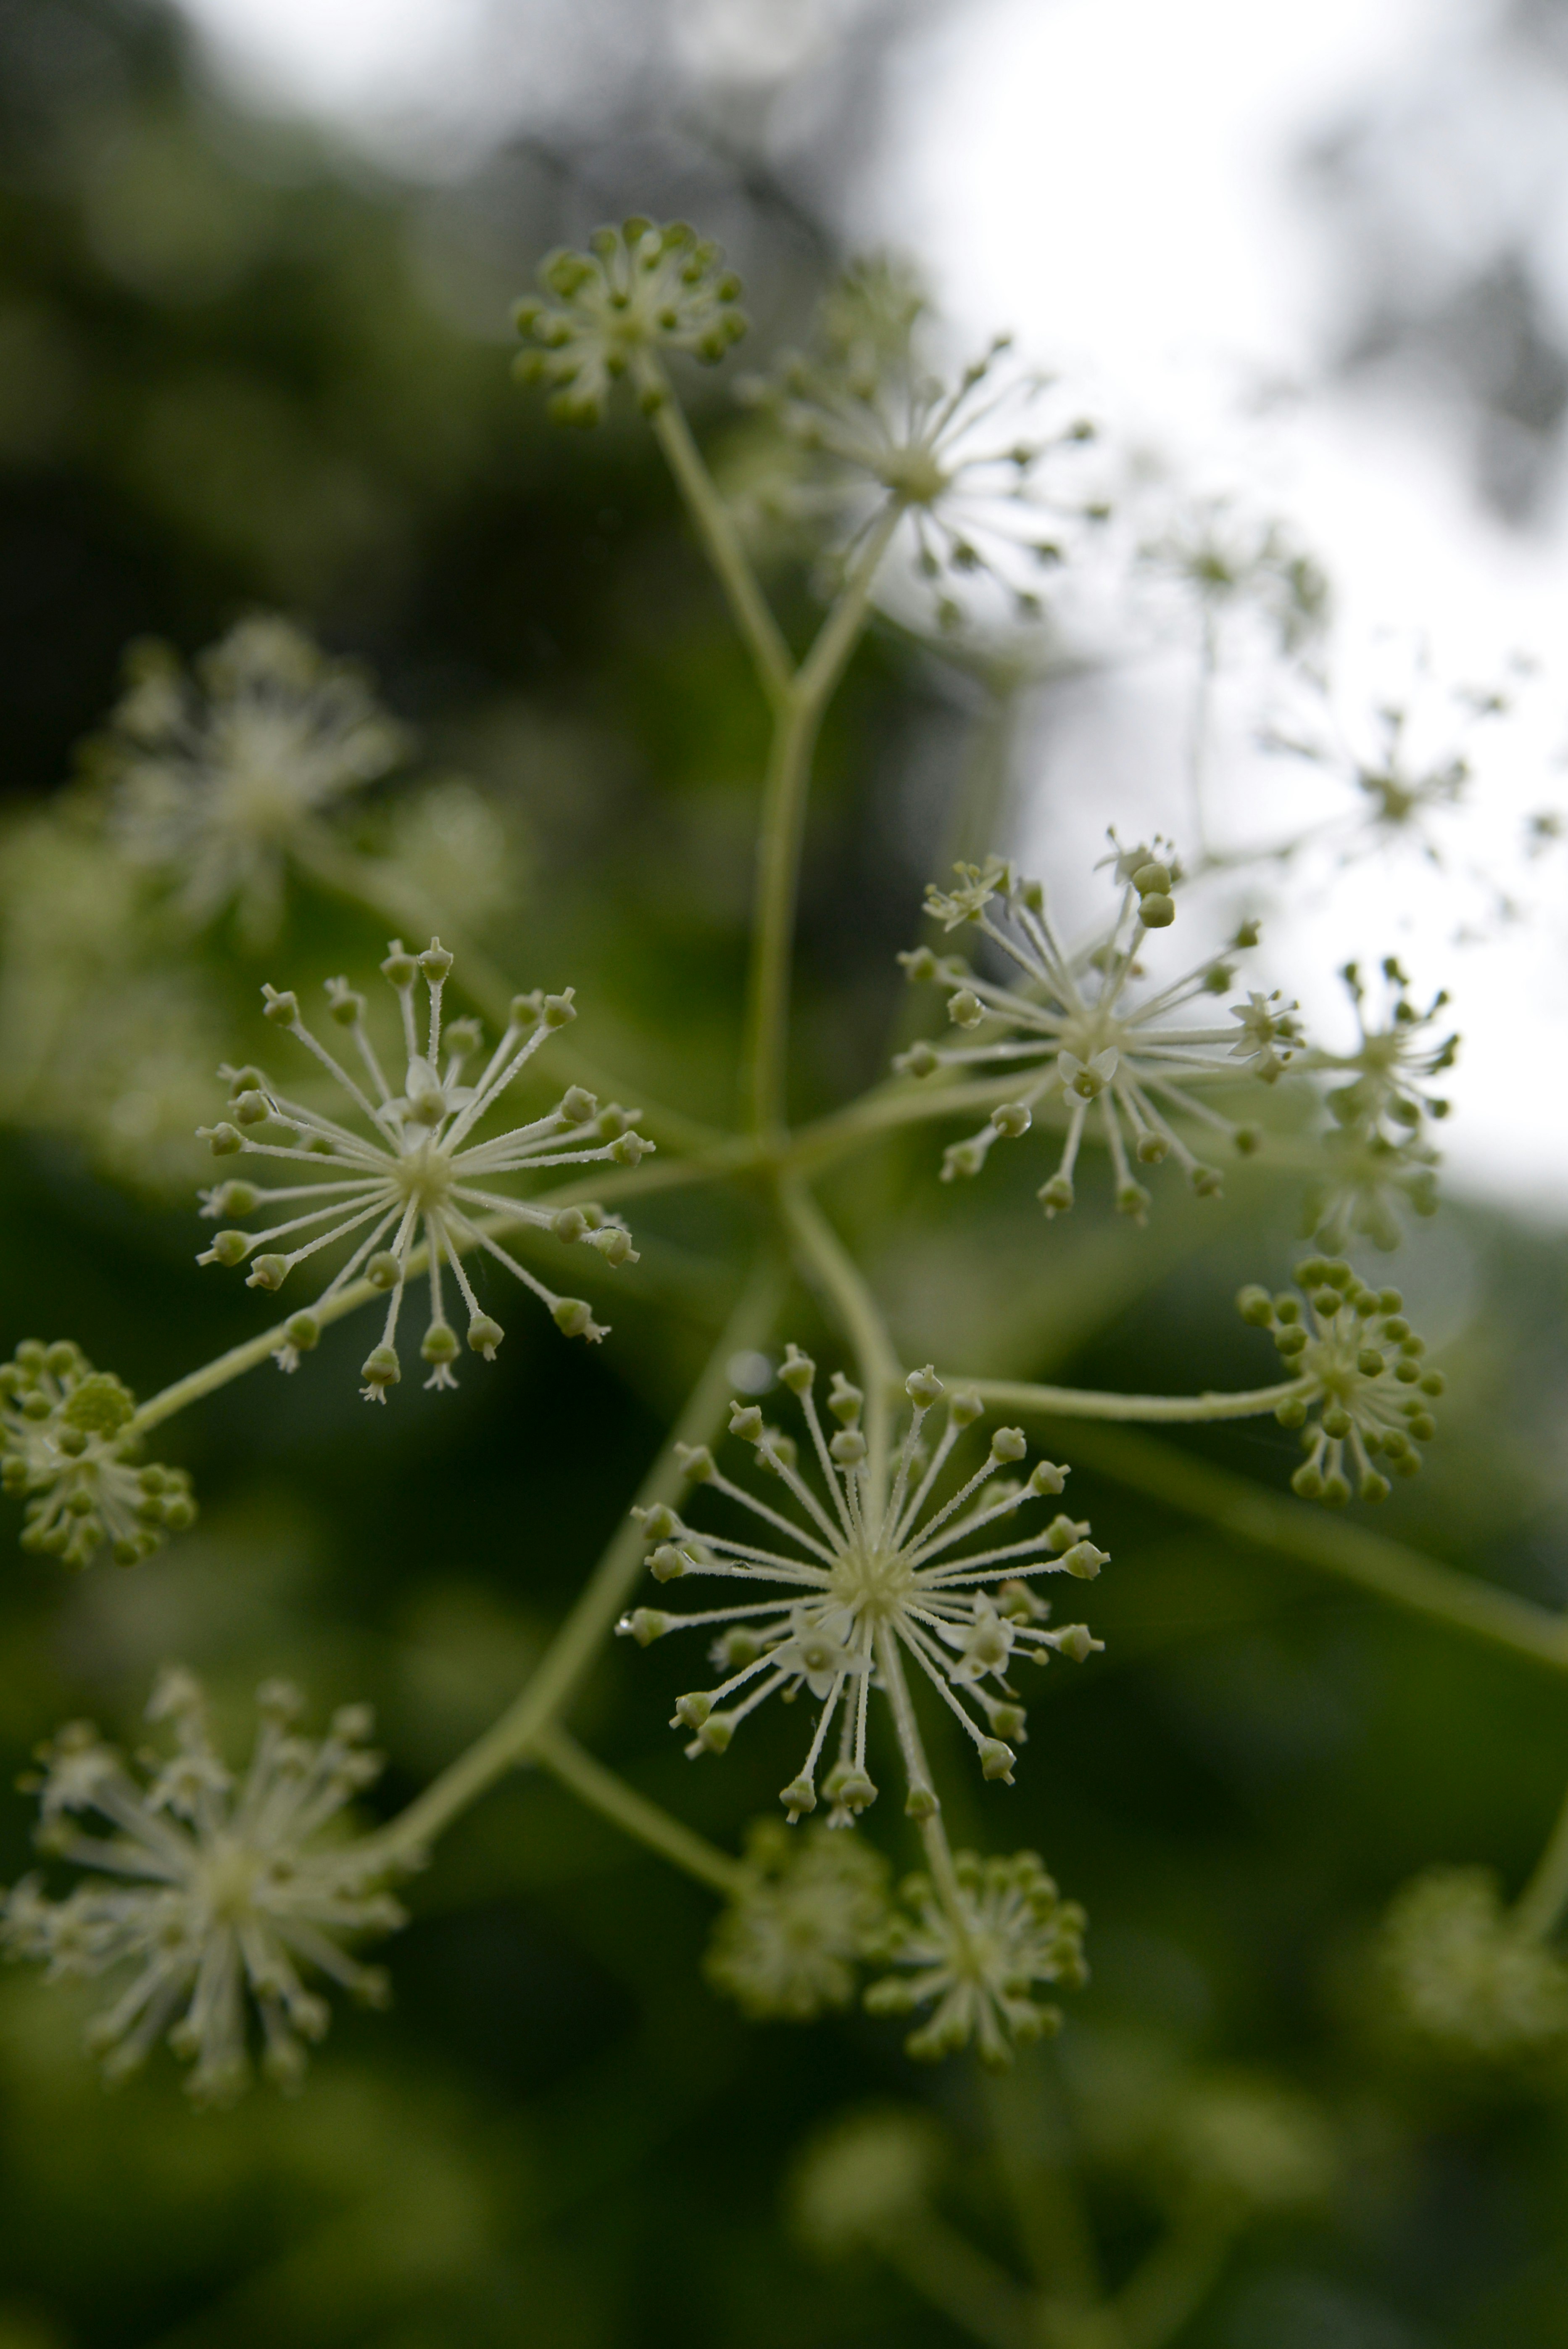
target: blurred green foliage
<point>228,380</point>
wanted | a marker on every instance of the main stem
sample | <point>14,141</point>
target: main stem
<point>557,1678</point>
<point>1540,1907</point>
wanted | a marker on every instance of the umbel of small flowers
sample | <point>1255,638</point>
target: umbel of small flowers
<point>1378,1157</point>
<point>1232,561</point>
<point>979,1960</point>
<point>217,1891</point>
<point>1464,1977</point>
<point>418,1174</point>
<point>964,463</point>
<point>217,780</point>
<point>1363,1386</point>
<point>813,1907</point>
<point>1079,1037</point>
<point>64,1445</point>
<point>876,1571</point>
<point>639,289</point>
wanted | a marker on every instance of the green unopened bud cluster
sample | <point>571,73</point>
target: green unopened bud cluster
<point>1464,1978</point>
<point>68,1447</point>
<point>1364,1386</point>
<point>638,290</point>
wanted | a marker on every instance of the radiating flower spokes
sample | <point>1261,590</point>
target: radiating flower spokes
<point>878,1575</point>
<point>641,288</point>
<point>418,1174</point>
<point>963,462</point>
<point>1079,1037</point>
<point>216,782</point>
<point>221,1890</point>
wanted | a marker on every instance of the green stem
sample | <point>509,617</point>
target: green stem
<point>1172,2283</point>
<point>816,1145</point>
<point>1332,1545</point>
<point>798,718</point>
<point>574,1646</point>
<point>840,1276</point>
<point>946,2269</point>
<point>1085,1403</point>
<point>716,530</point>
<point>617,1184</point>
<point>1539,1908</point>
<point>603,1791</point>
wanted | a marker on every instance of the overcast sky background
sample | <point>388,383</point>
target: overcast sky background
<point>1120,183</point>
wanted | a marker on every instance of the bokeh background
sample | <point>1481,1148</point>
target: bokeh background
<point>255,270</point>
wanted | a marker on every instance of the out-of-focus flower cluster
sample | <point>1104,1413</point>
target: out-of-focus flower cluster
<point>70,1449</point>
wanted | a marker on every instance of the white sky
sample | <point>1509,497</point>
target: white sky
<point>1113,180</point>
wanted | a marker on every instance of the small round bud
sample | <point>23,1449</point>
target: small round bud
<point>745,1420</point>
<point>1012,1119</point>
<point>400,968</point>
<point>381,1367</point>
<point>920,1060</point>
<point>798,1798</point>
<point>283,1008</point>
<point>572,1316</point>
<point>1157,911</point>
<point>1076,1642</point>
<point>568,1224</point>
<point>383,1271</point>
<point>924,1387</point>
<point>1056,1196</point>
<point>965,1009</point>
<point>485,1335</point>
<point>645,1624</point>
<point>997,1760</point>
<point>1083,1561</point>
<point>267,1272</point>
<point>302,1331</point>
<point>222,1139</point>
<point>697,1463</point>
<point>965,1407</point>
<point>229,1247</point>
<point>576,1106</point>
<point>1008,1444</point>
<point>558,1010</point>
<point>251,1109</point>
<point>848,1447</point>
<point>1152,875</point>
<point>1256,1306</point>
<point>440,1343</point>
<point>436,961</point>
<point>921,1803</point>
<point>667,1564</point>
<point>1045,1478</point>
<point>797,1371</point>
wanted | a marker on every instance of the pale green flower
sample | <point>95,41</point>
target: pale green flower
<point>1364,1385</point>
<point>1084,1036</point>
<point>641,289</point>
<point>221,1892</point>
<point>1464,1977</point>
<point>67,1449</point>
<point>218,781</point>
<point>418,1175</point>
<point>814,1905</point>
<point>978,1965</point>
<point>875,1572</point>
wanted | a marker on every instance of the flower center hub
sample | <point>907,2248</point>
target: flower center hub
<point>872,1580</point>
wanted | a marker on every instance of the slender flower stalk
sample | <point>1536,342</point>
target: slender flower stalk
<point>880,1574</point>
<point>420,1178</point>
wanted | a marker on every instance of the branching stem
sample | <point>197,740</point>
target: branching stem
<point>603,1791</point>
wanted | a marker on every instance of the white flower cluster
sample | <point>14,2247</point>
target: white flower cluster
<point>980,1960</point>
<point>1378,1154</point>
<point>217,1891</point>
<point>1463,1977</point>
<point>965,463</point>
<point>218,780</point>
<point>881,1571</point>
<point>1082,1040</point>
<point>1360,1369</point>
<point>418,1175</point>
<point>67,1448</point>
<point>640,288</point>
<point>814,1906</point>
